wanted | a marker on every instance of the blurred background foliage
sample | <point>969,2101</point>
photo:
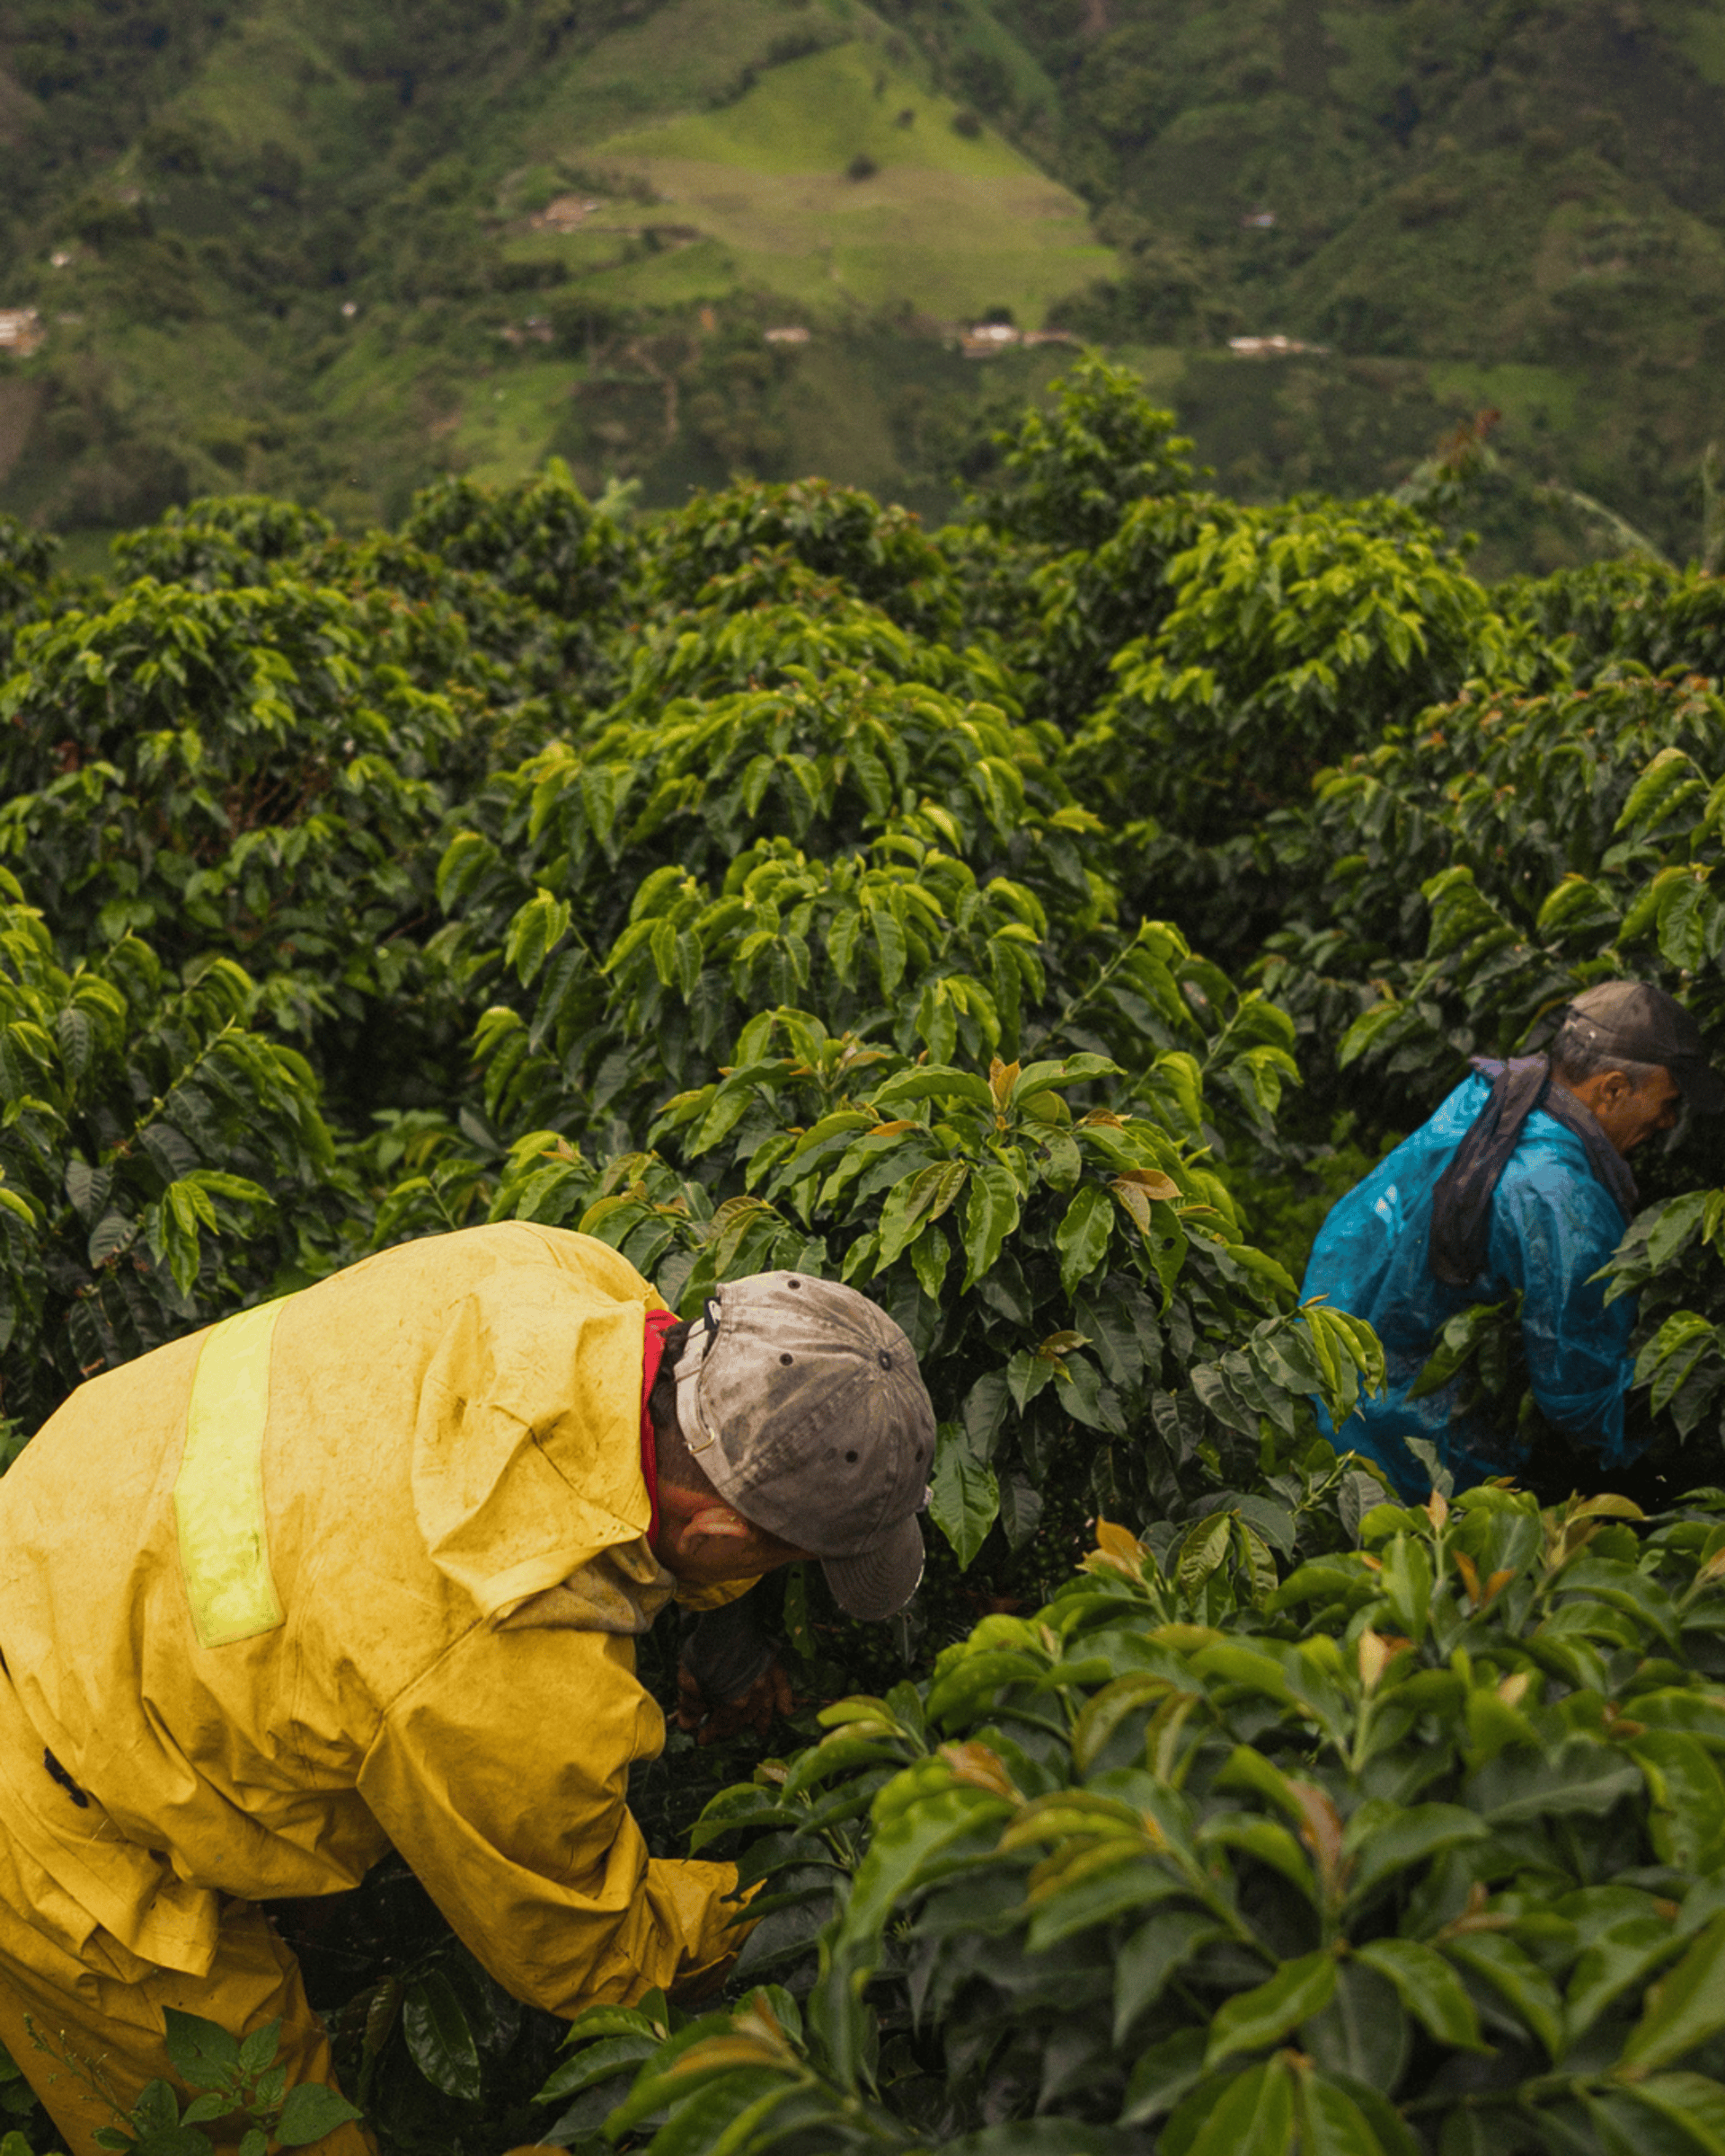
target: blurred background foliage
<point>335,251</point>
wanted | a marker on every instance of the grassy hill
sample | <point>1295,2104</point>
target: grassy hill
<point>331,250</point>
<point>336,256</point>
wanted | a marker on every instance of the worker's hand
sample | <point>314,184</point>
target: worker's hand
<point>708,1720</point>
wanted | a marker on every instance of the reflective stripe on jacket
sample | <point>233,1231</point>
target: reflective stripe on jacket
<point>370,1573</point>
<point>1553,1226</point>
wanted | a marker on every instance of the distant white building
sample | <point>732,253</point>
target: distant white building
<point>792,332</point>
<point>987,338</point>
<point>20,329</point>
<point>1270,347</point>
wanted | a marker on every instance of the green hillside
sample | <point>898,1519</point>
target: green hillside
<point>331,251</point>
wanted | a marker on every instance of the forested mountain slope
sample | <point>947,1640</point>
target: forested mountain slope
<point>333,249</point>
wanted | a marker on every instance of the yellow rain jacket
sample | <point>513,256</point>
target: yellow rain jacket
<point>362,1566</point>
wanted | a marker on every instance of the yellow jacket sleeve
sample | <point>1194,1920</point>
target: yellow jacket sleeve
<point>501,1778</point>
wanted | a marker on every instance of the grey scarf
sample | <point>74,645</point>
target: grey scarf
<point>1461,1209</point>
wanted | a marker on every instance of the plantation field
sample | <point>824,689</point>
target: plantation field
<point>299,247</point>
<point>1037,924</point>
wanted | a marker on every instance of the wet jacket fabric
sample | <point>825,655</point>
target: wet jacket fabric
<point>1461,1205</point>
<point>1553,1225</point>
<point>365,1568</point>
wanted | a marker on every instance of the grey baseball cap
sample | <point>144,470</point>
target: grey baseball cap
<point>802,1402</point>
<point>1644,1023</point>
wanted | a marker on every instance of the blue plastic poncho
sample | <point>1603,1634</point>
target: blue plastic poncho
<point>1553,1224</point>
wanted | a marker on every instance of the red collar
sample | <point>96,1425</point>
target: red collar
<point>652,1353</point>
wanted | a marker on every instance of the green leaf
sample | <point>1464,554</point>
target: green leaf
<point>1254,2116</point>
<point>1459,1340</point>
<point>930,1255</point>
<point>172,2140</point>
<point>1363,2034</point>
<point>1616,1958</point>
<point>1164,2075</point>
<point>1517,1978</point>
<point>1582,1776</point>
<point>1266,1839</point>
<point>310,2112</point>
<point>1155,1951</point>
<point>1082,1237</point>
<point>1363,1035</point>
<point>203,2053</point>
<point>601,2060</point>
<point>536,929</point>
<point>1662,778</point>
<point>439,2040</point>
<point>1097,1897</point>
<point>1022,2138</point>
<point>1270,2011</point>
<point>965,1498</point>
<point>1072,1070</point>
<point>1429,1988</point>
<point>1685,2009</point>
<point>1385,1839</point>
<point>911,1205</point>
<point>1693,2103</point>
<point>157,2107</point>
<point>1202,1551</point>
<point>990,1215</point>
<point>1331,2123</point>
<point>258,2051</point>
<point>931,1082</point>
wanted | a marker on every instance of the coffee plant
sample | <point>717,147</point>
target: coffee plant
<point>1420,1846</point>
<point>1037,925</point>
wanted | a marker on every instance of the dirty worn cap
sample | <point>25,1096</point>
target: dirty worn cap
<point>802,1402</point>
<point>1635,1019</point>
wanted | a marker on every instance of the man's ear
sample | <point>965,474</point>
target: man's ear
<point>720,1522</point>
<point>702,1514</point>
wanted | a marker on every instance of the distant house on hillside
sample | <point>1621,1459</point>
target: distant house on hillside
<point>567,213</point>
<point>793,332</point>
<point>987,338</point>
<point>21,330</point>
<point>1270,347</point>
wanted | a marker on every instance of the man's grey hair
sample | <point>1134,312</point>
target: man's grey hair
<point>1579,1052</point>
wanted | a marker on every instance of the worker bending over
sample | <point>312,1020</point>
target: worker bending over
<point>1520,1184</point>
<point>365,1568</point>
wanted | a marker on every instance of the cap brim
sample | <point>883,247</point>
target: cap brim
<point>881,1581</point>
<point>1702,1086</point>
